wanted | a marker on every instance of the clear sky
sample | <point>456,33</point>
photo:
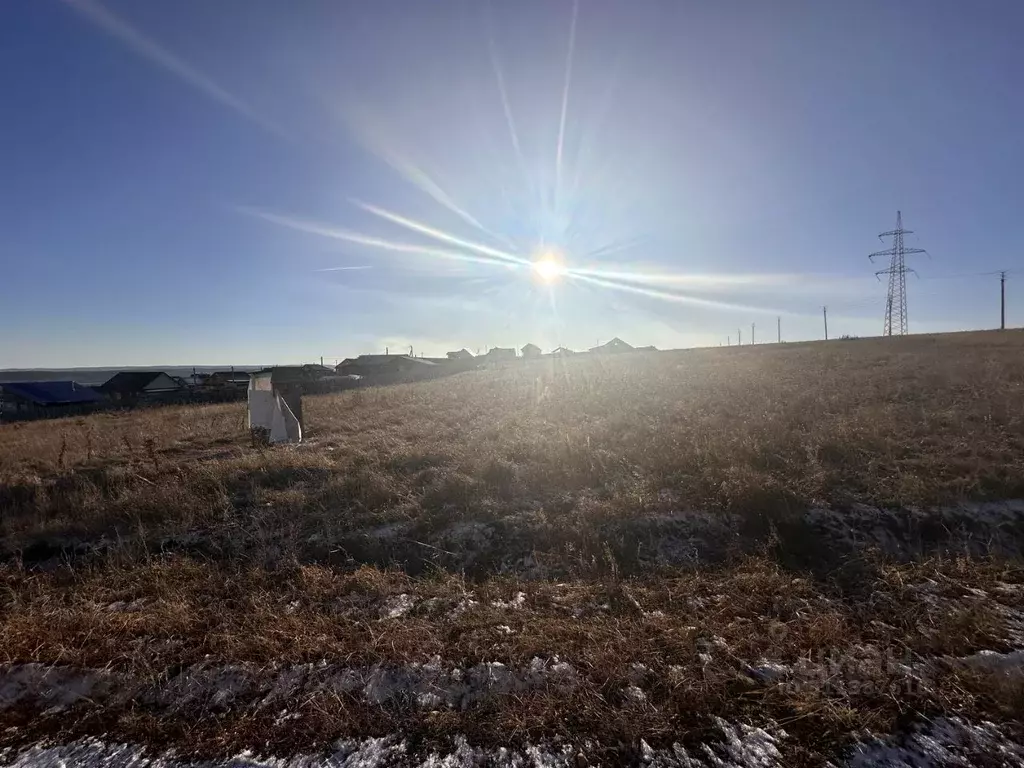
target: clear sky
<point>254,181</point>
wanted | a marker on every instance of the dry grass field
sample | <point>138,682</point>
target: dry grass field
<point>625,552</point>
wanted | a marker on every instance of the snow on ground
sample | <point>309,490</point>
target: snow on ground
<point>680,538</point>
<point>973,528</point>
<point>515,603</point>
<point>939,743</point>
<point>740,746</point>
<point>991,661</point>
<point>397,606</point>
<point>203,687</point>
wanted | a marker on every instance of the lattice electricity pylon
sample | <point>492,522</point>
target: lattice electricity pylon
<point>896,301</point>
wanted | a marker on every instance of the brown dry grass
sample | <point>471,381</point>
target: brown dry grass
<point>748,430</point>
<point>185,613</point>
<point>556,460</point>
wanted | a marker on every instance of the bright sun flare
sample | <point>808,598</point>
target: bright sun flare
<point>548,268</point>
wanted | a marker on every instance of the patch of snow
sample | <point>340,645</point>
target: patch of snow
<point>676,674</point>
<point>466,604</point>
<point>207,686</point>
<point>1009,589</point>
<point>285,716</point>
<point>1013,624</point>
<point>429,701</point>
<point>635,695</point>
<point>767,672</point>
<point>53,688</point>
<point>941,743</point>
<point>287,683</point>
<point>398,605</point>
<point>741,746</point>
<point>979,528</point>
<point>991,661</point>
<point>121,606</point>
<point>714,643</point>
<point>515,603</point>
<point>638,673</point>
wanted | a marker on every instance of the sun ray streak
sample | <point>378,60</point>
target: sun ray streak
<point>336,233</point>
<point>565,102</point>
<point>674,297</point>
<point>607,250</point>
<point>701,281</point>
<point>368,132</point>
<point>506,106</point>
<point>440,235</point>
<point>118,28</point>
<point>593,125</point>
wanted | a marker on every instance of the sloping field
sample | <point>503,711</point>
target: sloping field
<point>785,555</point>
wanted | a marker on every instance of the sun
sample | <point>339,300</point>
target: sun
<point>549,267</point>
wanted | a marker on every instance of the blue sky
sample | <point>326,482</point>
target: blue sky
<point>250,181</point>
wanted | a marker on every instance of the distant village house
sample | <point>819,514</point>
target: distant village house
<point>615,346</point>
<point>531,351</point>
<point>384,365</point>
<point>499,355</point>
<point>47,398</point>
<point>132,386</point>
<point>227,379</point>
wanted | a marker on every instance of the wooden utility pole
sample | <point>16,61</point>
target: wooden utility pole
<point>739,337</point>
<point>1002,300</point>
<point>729,340</point>
<point>824,312</point>
<point>751,333</point>
<point>778,324</point>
